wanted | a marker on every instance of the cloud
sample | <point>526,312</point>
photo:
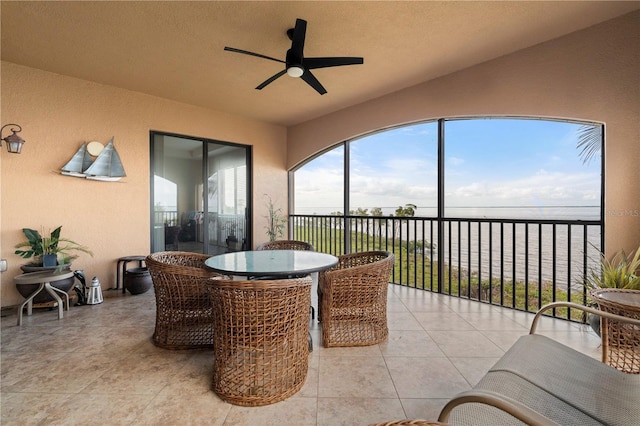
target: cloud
<point>455,161</point>
<point>535,167</point>
<point>541,188</point>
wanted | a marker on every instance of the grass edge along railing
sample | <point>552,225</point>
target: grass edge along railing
<point>521,264</point>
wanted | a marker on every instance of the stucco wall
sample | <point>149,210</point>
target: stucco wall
<point>58,113</point>
<point>589,75</point>
<point>592,74</point>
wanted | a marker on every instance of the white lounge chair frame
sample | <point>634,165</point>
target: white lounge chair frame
<point>541,382</point>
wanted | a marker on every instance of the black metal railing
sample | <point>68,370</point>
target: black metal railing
<point>166,217</point>
<point>515,263</point>
<point>224,230</point>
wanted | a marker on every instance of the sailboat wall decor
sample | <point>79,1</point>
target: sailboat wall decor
<point>80,161</point>
<point>106,167</point>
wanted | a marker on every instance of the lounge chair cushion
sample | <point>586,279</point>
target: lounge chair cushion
<point>564,385</point>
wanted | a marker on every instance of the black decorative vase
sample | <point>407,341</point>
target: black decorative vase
<point>137,280</point>
<point>44,297</point>
<point>594,322</point>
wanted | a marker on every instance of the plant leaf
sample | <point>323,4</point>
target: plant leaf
<point>589,142</point>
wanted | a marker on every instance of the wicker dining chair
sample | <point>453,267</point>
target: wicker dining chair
<point>410,422</point>
<point>289,245</point>
<point>183,308</point>
<point>620,341</point>
<point>352,299</point>
<point>285,245</point>
<point>260,350</point>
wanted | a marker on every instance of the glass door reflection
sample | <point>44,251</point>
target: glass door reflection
<point>200,195</point>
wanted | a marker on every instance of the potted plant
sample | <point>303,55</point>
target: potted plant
<point>275,221</point>
<point>232,240</point>
<point>48,253</point>
<point>621,271</point>
<point>39,248</point>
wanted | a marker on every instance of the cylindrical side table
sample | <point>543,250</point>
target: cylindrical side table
<point>620,341</point>
<point>120,271</point>
<point>44,278</point>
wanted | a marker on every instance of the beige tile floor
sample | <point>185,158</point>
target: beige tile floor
<point>98,366</point>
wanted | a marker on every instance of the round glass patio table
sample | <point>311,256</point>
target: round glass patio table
<point>271,263</point>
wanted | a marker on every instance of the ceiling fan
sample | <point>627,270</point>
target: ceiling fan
<point>296,65</point>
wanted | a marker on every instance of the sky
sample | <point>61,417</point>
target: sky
<point>489,163</point>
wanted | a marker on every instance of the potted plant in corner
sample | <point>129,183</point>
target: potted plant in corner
<point>621,271</point>
<point>51,252</point>
<point>275,221</point>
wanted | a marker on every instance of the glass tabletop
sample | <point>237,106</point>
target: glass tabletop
<point>263,263</point>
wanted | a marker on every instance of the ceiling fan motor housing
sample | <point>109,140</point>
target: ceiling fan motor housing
<point>294,64</point>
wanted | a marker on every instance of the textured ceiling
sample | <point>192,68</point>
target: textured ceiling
<point>175,49</point>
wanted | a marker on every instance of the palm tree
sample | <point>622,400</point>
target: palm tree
<point>409,210</point>
<point>589,142</point>
<point>377,223</point>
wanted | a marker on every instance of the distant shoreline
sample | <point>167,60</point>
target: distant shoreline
<point>554,261</point>
<point>494,212</point>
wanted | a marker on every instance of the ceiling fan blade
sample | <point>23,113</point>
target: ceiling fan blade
<point>312,81</point>
<point>271,79</point>
<point>313,63</point>
<point>296,65</point>
<point>246,52</point>
<point>297,41</point>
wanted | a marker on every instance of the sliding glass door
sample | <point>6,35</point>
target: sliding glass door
<point>200,195</point>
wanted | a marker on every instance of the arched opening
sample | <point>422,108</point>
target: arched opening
<point>501,210</point>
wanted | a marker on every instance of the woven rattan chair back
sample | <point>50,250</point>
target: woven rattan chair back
<point>183,308</point>
<point>620,341</point>
<point>289,245</point>
<point>285,245</point>
<point>352,299</point>
<point>410,422</point>
<point>261,351</point>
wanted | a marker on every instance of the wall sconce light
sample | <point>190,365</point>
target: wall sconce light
<point>14,142</point>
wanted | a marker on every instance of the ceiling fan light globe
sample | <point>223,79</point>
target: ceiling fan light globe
<point>295,71</point>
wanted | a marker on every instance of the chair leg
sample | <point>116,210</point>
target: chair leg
<point>319,305</point>
<point>312,310</point>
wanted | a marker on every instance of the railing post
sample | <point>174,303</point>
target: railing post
<point>346,203</point>
<point>440,214</point>
<point>517,244</point>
